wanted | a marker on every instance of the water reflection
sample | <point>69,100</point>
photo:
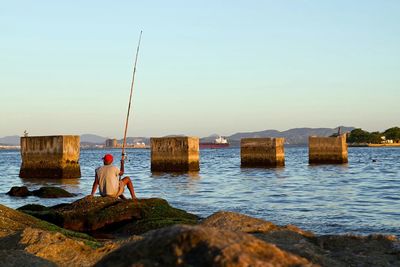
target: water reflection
<point>50,181</point>
<point>278,172</point>
<point>191,174</point>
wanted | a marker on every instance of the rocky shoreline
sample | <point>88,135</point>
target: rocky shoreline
<point>96,231</point>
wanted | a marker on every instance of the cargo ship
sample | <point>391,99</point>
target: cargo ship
<point>220,142</point>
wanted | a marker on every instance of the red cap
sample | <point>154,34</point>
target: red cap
<point>108,158</point>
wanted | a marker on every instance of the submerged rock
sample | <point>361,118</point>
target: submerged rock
<point>182,245</point>
<point>43,192</point>
<point>19,191</point>
<point>51,192</point>
<point>111,215</point>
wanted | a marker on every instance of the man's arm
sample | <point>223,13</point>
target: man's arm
<point>122,169</point>
<point>95,184</point>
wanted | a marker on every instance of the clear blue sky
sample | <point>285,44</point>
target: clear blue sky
<point>204,67</point>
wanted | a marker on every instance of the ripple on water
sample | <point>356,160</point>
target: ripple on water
<point>360,197</point>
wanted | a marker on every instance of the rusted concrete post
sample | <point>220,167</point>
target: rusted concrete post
<point>327,150</point>
<point>175,154</point>
<point>262,152</point>
<point>50,157</point>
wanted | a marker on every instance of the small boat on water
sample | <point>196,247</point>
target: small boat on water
<point>220,142</point>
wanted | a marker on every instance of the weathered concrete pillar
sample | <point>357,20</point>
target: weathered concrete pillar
<point>175,154</point>
<point>262,152</point>
<point>50,157</point>
<point>327,150</point>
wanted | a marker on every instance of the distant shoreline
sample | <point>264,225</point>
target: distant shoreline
<point>148,147</point>
<point>374,145</point>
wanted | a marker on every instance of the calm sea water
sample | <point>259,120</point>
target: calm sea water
<point>361,197</point>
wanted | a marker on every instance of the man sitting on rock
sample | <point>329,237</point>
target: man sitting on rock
<point>107,178</point>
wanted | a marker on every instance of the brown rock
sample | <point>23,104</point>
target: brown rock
<point>28,241</point>
<point>12,258</point>
<point>239,222</point>
<point>43,192</point>
<point>92,213</point>
<point>183,245</point>
<point>111,215</point>
<point>372,250</point>
<point>53,247</point>
<point>19,191</point>
<point>58,248</point>
<point>12,221</point>
<point>333,250</point>
<point>300,245</point>
<point>51,192</point>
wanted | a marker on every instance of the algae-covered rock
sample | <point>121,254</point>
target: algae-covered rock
<point>19,191</point>
<point>12,221</point>
<point>43,213</point>
<point>43,192</point>
<point>51,192</point>
<point>157,213</point>
<point>86,215</point>
<point>28,241</point>
<point>111,215</point>
<point>183,245</point>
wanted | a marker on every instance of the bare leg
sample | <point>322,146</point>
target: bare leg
<point>127,181</point>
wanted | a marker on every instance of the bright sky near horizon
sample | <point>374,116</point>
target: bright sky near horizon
<point>204,66</point>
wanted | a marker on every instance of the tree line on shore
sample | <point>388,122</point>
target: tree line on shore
<point>360,136</point>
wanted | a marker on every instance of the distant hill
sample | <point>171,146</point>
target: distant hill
<point>93,139</point>
<point>10,140</point>
<point>296,136</point>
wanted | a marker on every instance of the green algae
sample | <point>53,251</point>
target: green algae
<point>157,213</point>
<point>51,192</point>
<point>94,215</point>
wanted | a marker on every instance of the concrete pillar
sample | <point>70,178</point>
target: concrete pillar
<point>175,154</point>
<point>262,152</point>
<point>50,157</point>
<point>327,150</point>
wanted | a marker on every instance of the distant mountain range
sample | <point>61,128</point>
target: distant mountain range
<point>10,140</point>
<point>296,136</point>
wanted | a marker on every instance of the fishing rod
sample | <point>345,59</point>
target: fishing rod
<point>130,97</point>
